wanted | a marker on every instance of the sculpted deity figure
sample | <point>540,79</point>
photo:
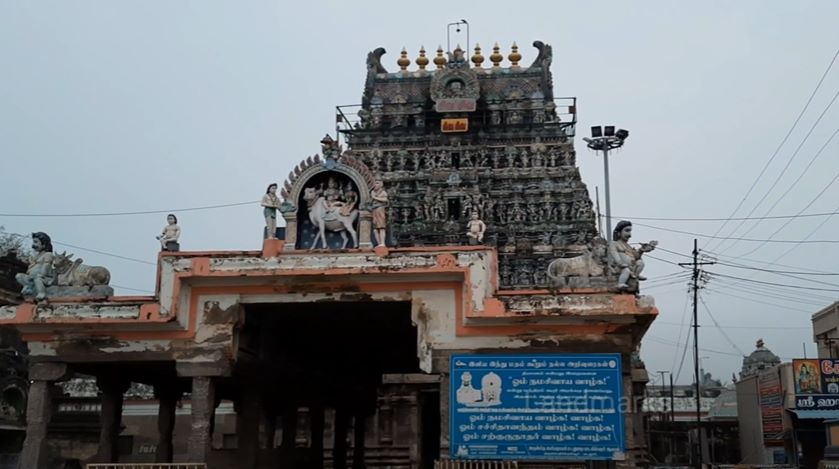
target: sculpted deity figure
<point>380,202</point>
<point>626,258</point>
<point>331,200</point>
<point>171,233</point>
<point>475,228</point>
<point>40,274</point>
<point>351,198</point>
<point>270,204</point>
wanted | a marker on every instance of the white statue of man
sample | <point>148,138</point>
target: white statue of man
<point>270,204</point>
<point>40,274</point>
<point>171,233</point>
<point>475,228</point>
<point>625,257</point>
<point>379,205</point>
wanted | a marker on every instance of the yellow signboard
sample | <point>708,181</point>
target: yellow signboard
<point>454,125</point>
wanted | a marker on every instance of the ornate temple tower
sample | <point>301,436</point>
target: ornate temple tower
<point>465,139</point>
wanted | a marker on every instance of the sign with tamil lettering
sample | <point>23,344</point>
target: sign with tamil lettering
<point>816,383</point>
<point>536,407</point>
<point>460,124</point>
<point>771,399</point>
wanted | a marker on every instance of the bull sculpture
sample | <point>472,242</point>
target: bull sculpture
<point>75,273</point>
<point>590,263</point>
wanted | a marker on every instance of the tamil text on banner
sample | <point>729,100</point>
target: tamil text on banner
<point>538,407</point>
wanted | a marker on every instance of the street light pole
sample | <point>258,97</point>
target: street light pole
<point>608,201</point>
<point>605,138</point>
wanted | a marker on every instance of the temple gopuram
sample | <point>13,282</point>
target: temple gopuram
<point>432,291</point>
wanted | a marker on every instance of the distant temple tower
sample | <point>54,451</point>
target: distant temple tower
<point>761,359</point>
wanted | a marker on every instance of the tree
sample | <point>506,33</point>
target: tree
<point>13,244</point>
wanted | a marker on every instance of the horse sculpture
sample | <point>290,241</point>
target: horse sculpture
<point>329,218</point>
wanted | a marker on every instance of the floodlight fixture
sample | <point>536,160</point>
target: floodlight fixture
<point>609,130</point>
<point>596,131</point>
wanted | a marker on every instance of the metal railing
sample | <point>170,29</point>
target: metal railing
<point>154,465</point>
<point>476,464</point>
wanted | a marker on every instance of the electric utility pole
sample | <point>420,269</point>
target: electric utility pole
<point>695,265</point>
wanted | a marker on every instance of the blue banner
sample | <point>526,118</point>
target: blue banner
<point>536,407</point>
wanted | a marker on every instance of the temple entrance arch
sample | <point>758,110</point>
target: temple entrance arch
<point>341,181</point>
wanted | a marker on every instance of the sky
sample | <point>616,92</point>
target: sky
<point>156,105</point>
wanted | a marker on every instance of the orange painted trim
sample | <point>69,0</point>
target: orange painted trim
<point>324,281</point>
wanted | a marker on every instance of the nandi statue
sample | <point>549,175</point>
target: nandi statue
<point>329,213</point>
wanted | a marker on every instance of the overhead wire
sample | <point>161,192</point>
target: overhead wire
<point>789,162</point>
<point>754,240</point>
<point>780,145</point>
<point>774,284</point>
<point>773,217</point>
<point>719,328</point>
<point>794,183</point>
<point>119,214</point>
<point>712,290</point>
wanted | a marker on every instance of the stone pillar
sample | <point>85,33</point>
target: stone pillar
<point>316,424</point>
<point>269,424</point>
<point>199,442</point>
<point>289,435</point>
<point>359,430</point>
<point>339,446</point>
<point>111,391</point>
<point>365,229</point>
<point>248,431</point>
<point>290,230</point>
<point>38,413</point>
<point>167,397</point>
<point>445,391</point>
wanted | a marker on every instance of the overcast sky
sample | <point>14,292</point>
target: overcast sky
<point>156,105</point>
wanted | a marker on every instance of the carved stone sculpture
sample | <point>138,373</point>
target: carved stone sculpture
<point>270,204</point>
<point>590,263</point>
<point>475,228</point>
<point>74,273</point>
<point>171,232</point>
<point>380,202</point>
<point>326,212</point>
<point>40,273</point>
<point>624,258</point>
<point>58,275</point>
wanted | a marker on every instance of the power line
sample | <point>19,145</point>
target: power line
<point>119,214</point>
<point>780,145</point>
<point>817,197</point>
<point>772,217</point>
<point>96,251</point>
<point>772,271</point>
<point>774,284</point>
<point>789,162</point>
<point>717,325</point>
<point>765,293</point>
<point>717,256</point>
<point>797,180</point>
<point>726,326</point>
<point>780,241</point>
<point>712,290</point>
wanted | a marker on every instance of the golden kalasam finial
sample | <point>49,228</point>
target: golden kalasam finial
<point>477,59</point>
<point>422,60</point>
<point>440,61</point>
<point>496,56</point>
<point>403,61</point>
<point>514,56</point>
